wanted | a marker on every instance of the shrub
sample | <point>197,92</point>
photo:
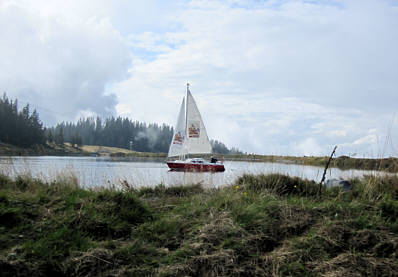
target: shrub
<point>57,244</point>
<point>279,184</point>
<point>389,209</point>
<point>111,214</point>
<point>375,188</point>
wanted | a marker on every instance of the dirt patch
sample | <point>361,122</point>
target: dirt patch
<point>295,220</point>
<point>220,227</point>
<point>363,240</point>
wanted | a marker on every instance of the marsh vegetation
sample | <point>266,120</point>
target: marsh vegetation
<point>262,225</point>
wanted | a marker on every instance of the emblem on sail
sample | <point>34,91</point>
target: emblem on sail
<point>178,138</point>
<point>194,130</point>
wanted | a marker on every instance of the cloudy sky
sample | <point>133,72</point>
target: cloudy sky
<point>270,77</point>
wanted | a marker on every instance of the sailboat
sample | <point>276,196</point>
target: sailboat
<point>190,137</point>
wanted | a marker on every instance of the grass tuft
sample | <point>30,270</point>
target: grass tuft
<point>279,184</point>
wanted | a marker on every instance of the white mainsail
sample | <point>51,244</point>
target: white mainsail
<point>177,146</point>
<point>197,141</point>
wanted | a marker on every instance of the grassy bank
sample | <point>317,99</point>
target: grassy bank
<point>42,150</point>
<point>270,225</point>
<point>342,162</point>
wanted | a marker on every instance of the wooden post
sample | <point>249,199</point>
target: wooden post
<point>326,168</point>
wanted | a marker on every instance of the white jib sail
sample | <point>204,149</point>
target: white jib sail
<point>177,145</point>
<point>197,141</point>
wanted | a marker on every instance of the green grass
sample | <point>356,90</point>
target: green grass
<point>264,225</point>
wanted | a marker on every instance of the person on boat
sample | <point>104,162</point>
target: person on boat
<point>213,160</point>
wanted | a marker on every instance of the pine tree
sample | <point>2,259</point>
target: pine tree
<point>59,136</point>
<point>19,128</point>
<point>50,137</point>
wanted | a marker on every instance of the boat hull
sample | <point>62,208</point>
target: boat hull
<point>194,167</point>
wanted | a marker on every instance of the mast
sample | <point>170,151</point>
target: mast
<point>186,117</point>
<point>186,111</point>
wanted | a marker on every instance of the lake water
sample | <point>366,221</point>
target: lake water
<point>105,171</point>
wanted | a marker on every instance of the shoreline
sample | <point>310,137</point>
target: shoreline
<point>343,162</point>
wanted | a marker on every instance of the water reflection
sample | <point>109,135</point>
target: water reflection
<point>105,171</point>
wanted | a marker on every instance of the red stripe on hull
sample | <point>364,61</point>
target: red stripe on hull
<point>196,167</point>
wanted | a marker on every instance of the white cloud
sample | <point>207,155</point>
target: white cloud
<point>57,61</point>
<point>367,139</point>
<point>282,73</point>
<point>309,146</point>
<point>272,77</point>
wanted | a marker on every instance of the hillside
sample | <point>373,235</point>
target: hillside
<point>39,150</point>
<point>66,149</point>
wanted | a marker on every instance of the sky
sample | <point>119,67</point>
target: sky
<point>270,77</point>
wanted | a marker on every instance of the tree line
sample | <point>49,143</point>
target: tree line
<point>20,127</point>
<point>221,148</point>
<point>116,132</point>
<point>123,133</point>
